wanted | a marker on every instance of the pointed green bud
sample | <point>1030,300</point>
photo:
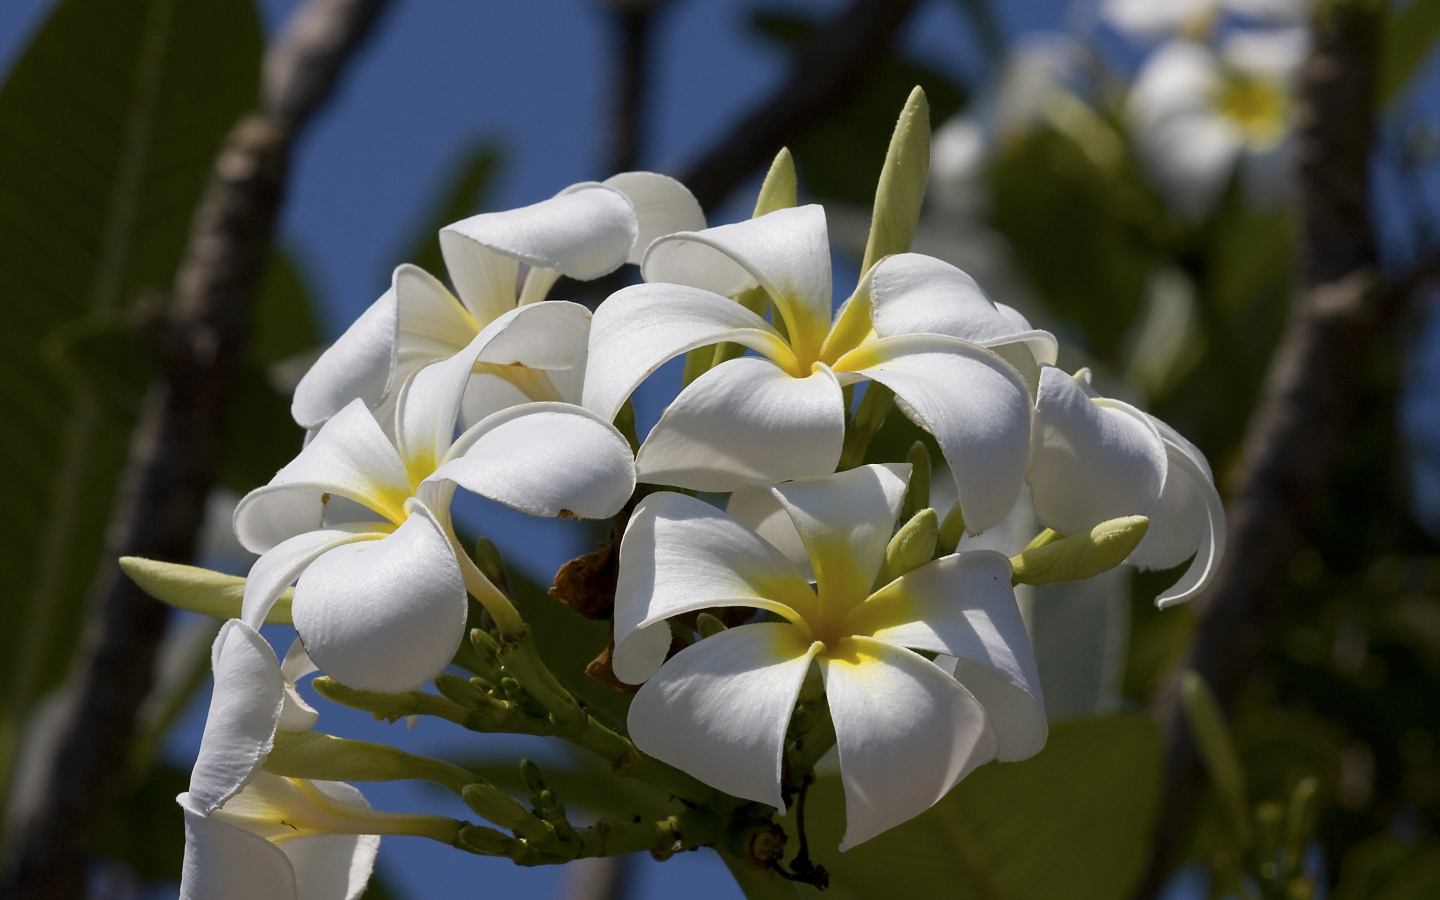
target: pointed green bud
<point>1048,536</point>
<point>462,692</point>
<point>504,810</point>
<point>951,531</point>
<point>1081,555</point>
<point>310,754</point>
<point>902,183</point>
<point>780,189</point>
<point>487,841</point>
<point>917,495</point>
<point>1207,726</point>
<point>488,561</point>
<point>912,546</point>
<point>199,590</point>
<point>532,776</point>
<point>708,625</point>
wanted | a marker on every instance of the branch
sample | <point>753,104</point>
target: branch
<point>633,22</point>
<point>825,76</point>
<point>175,447</point>
<point>1302,423</point>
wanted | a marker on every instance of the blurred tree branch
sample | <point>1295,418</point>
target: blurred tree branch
<point>198,345</point>
<point>633,22</point>
<point>1302,422</point>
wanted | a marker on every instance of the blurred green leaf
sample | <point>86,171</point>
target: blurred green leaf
<point>1409,40</point>
<point>840,158</point>
<point>148,829</point>
<point>464,195</point>
<point>1387,867</point>
<point>1073,821</point>
<point>112,118</point>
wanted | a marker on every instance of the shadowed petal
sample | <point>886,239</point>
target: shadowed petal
<point>244,710</point>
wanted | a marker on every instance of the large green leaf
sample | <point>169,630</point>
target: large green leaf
<point>1409,40</point>
<point>112,118</point>
<point>1074,821</point>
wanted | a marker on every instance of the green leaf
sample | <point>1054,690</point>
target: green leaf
<point>1409,40</point>
<point>147,830</point>
<point>112,119</point>
<point>1212,737</point>
<point>1074,821</point>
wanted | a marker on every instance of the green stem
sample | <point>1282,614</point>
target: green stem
<point>688,830</point>
<point>326,757</point>
<point>501,717</point>
<point>874,406</point>
<point>625,759</point>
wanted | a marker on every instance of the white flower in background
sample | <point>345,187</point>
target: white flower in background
<point>1094,459</point>
<point>1194,115</point>
<point>907,731</point>
<point>249,834</point>
<point>782,415</point>
<point>364,522</point>
<point>1154,19</point>
<point>502,264</point>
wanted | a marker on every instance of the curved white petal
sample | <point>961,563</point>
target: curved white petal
<point>746,420</point>
<point>433,324</point>
<point>787,252</point>
<point>546,459</point>
<point>1274,53</point>
<point>349,457</point>
<point>334,866</point>
<point>845,520</point>
<point>915,294</point>
<point>244,710</point>
<point>907,732</point>
<point>544,335</point>
<point>384,615</point>
<point>963,606</point>
<point>662,206</point>
<point>1210,547</point>
<point>640,327</point>
<point>756,507</point>
<point>681,554</point>
<point>1156,18</point>
<point>278,567</point>
<point>359,365</point>
<point>1091,460</point>
<point>975,404</point>
<point>720,707</point>
<point>297,715</point>
<point>584,231</point>
<point>223,862</point>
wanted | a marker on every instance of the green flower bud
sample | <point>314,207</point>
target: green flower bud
<point>1082,555</point>
<point>917,495</point>
<point>708,625</point>
<point>310,754</point>
<point>902,183</point>
<point>911,547</point>
<point>199,590</point>
<point>504,810</point>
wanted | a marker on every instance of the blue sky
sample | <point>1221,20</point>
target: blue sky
<point>440,76</point>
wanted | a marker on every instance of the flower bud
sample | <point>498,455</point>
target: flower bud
<point>911,547</point>
<point>504,810</point>
<point>199,590</point>
<point>917,495</point>
<point>324,757</point>
<point>1050,558</point>
<point>708,625</point>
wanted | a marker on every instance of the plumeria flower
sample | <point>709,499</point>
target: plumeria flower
<point>1094,459</point>
<point>1154,19</point>
<point>907,731</point>
<point>503,265</point>
<point>249,834</point>
<point>364,523</point>
<point>1195,114</point>
<point>781,414</point>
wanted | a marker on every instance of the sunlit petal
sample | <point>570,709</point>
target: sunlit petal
<point>662,206</point>
<point>244,710</point>
<point>1198,494</point>
<point>359,365</point>
<point>907,732</point>
<point>223,862</point>
<point>278,567</point>
<point>720,707</point>
<point>746,420</point>
<point>681,554</point>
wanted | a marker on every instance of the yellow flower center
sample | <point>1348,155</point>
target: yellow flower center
<point>1255,105</point>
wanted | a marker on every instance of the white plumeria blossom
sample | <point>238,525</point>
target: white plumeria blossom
<point>781,415</point>
<point>586,231</point>
<point>1094,459</point>
<point>250,835</point>
<point>906,730</point>
<point>1154,19</point>
<point>1195,114</point>
<point>363,523</point>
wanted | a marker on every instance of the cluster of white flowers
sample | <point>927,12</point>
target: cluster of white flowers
<point>923,660</point>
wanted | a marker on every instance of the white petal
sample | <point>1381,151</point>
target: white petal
<point>543,336</point>
<point>963,606</point>
<point>433,324</point>
<point>545,459</point>
<point>638,328</point>
<point>976,406</point>
<point>223,862</point>
<point>719,709</point>
<point>1091,460</point>
<point>359,365</point>
<point>746,420</point>
<point>1155,18</point>
<point>758,508</point>
<point>907,732</point>
<point>334,866</point>
<point>584,231</point>
<point>681,554</point>
<point>297,715</point>
<point>279,566</point>
<point>915,294</point>
<point>244,710</point>
<point>349,457</point>
<point>845,520</point>
<point>786,252</point>
<point>662,206</point>
<point>1275,53</point>
<point>1197,494</point>
<point>384,615</point>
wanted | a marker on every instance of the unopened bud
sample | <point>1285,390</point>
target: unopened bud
<point>903,179</point>
<point>708,625</point>
<point>507,812</point>
<point>917,495</point>
<point>1081,555</point>
<point>199,590</point>
<point>911,547</point>
<point>461,692</point>
<point>488,561</point>
<point>951,531</point>
<point>532,776</point>
<point>486,841</point>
